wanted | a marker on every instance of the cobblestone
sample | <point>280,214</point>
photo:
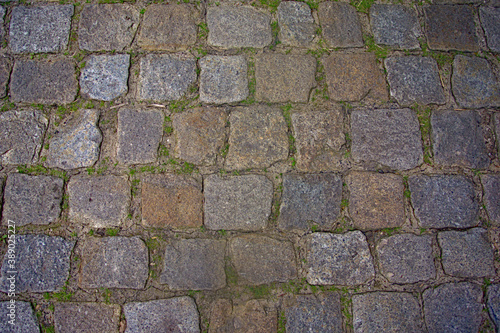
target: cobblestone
<point>25,322</point>
<point>395,26</point>
<point>252,316</point>
<point>491,186</point>
<point>490,16</point>
<point>296,24</point>
<point>494,304</point>
<point>313,313</point>
<point>86,317</point>
<point>5,68</point>
<point>340,24</point>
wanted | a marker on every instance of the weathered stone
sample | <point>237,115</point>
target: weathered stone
<point>340,24</point>
<point>467,253</point>
<point>376,200</point>
<point>167,27</point>
<point>231,26</point>
<point>395,25</point>
<point>445,201</point>
<point>32,199</point>
<point>491,186</point>
<point>178,314</point>
<point>107,27</point>
<point>5,67</point>
<point>406,258</point>
<point>43,82</point>
<point>237,203</point>
<point>114,262</point>
<point>2,22</point>
<point>86,317</point>
<point>261,260</point>
<point>166,77</point>
<point>457,139</point>
<point>41,264</point>
<point>76,142</point>
<point>494,304</point>
<point>315,313</point>
<point>386,312</point>
<point>100,202</point>
<point>296,24</point>
<point>310,199</point>
<point>258,138</point>
<point>223,79</point>
<point>139,134</point>
<point>284,78</point>
<point>25,321</point>
<point>496,124</point>
<point>453,307</point>
<point>104,77</point>
<point>340,259</point>
<point>40,29</point>
<point>490,18</point>
<point>194,264</point>
<point>414,79</point>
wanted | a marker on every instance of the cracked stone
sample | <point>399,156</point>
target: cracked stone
<point>5,67</point>
<point>490,18</point>
<point>340,24</point>
<point>395,25</point>
<point>26,321</point>
<point>296,24</point>
<point>491,186</point>
<point>86,317</point>
<point>315,313</point>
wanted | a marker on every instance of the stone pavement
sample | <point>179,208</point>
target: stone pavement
<point>250,166</point>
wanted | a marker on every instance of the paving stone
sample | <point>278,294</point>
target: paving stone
<point>223,79</point>
<point>443,201</point>
<point>414,79</point>
<point>376,200</point>
<point>467,253</point>
<point>406,258</point>
<point>457,139</point>
<point>395,25</point>
<point>340,259</point>
<point>76,142</point>
<point>21,135</point>
<point>42,264</point>
<point>494,304</point>
<point>199,134</point>
<point>262,260</point>
<point>237,203</point>
<point>139,134</point>
<point>386,312</point>
<point>258,138</point>
<point>25,320</point>
<point>86,317</point>
<point>114,262</point>
<point>496,123</point>
<point>43,82</point>
<point>231,26</point>
<point>315,313</point>
<point>453,307</point>
<point>284,78</point>
<point>491,186</point>
<point>490,18</point>
<point>296,24</point>
<point>32,199</point>
<point>178,314</point>
<point>168,27</point>
<point>311,198</point>
<point>473,82</point>
<point>100,202</point>
<point>5,67</point>
<point>107,27</point>
<point>2,22</point>
<point>354,76</point>
<point>340,24</point>
<point>166,77</point>
<point>194,264</point>
<point>40,29</point>
<point>171,201</point>
<point>104,77</point>
<point>450,28</point>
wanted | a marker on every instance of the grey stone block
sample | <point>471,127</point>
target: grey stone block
<point>2,22</point>
<point>86,317</point>
<point>490,18</point>
<point>493,304</point>
<point>340,24</point>
<point>5,67</point>
<point>395,25</point>
<point>25,320</point>
<point>296,24</point>
<point>315,313</point>
<point>491,186</point>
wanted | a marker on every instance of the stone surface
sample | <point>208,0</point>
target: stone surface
<point>443,201</point>
<point>340,259</point>
<point>76,142</point>
<point>354,76</point>
<point>340,24</point>
<point>284,78</point>
<point>104,77</point>
<point>231,26</point>
<point>490,18</point>
<point>453,307</point>
<point>457,139</point>
<point>467,253</point>
<point>5,67</point>
<point>310,199</point>
<point>40,29</point>
<point>223,79</point>
<point>296,24</point>
<point>258,138</point>
<point>491,198</point>
<point>2,23</point>
<point>107,27</point>
<point>194,264</point>
<point>262,260</point>
<point>496,124</point>
<point>376,200</point>
<point>100,202</point>
<point>171,201</point>
<point>86,317</point>
<point>42,264</point>
<point>315,313</point>
<point>113,262</point>
<point>43,82</point>
<point>494,304</point>
<point>395,25</point>
<point>165,77</point>
<point>32,199</point>
<point>25,320</point>
<point>414,79</point>
<point>237,203</point>
<point>178,314</point>
<point>139,134</point>
<point>406,258</point>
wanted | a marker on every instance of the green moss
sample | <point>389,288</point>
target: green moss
<point>380,51</point>
<point>362,6</point>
